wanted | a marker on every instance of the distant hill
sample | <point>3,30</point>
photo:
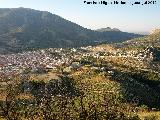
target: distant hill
<point>107,29</point>
<point>142,33</point>
<point>25,29</point>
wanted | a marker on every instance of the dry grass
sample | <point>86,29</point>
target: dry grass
<point>26,96</point>
<point>104,48</point>
<point>150,115</point>
<point>22,96</point>
<point>44,77</point>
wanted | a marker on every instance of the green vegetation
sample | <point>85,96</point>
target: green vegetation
<point>67,102</point>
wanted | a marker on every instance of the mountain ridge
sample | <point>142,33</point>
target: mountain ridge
<point>24,29</point>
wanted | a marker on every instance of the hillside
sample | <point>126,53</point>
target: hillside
<point>140,43</point>
<point>23,29</point>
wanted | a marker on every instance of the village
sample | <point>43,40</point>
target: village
<point>54,58</point>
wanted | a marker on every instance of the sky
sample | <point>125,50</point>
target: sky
<point>128,17</point>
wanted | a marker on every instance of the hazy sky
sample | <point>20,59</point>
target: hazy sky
<point>131,18</point>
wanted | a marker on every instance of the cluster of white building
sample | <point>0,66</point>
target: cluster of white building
<point>52,58</point>
<point>35,59</point>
